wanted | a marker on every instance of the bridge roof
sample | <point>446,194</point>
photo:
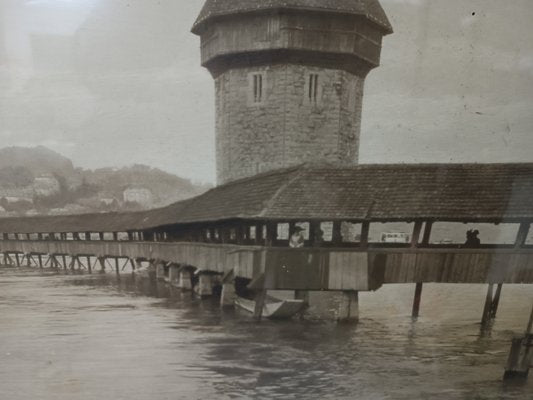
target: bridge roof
<point>375,192</point>
<point>371,9</point>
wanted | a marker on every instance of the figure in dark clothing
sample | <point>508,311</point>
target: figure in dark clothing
<point>319,237</point>
<point>472,239</point>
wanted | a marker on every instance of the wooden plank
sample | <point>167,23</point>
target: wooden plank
<point>348,271</point>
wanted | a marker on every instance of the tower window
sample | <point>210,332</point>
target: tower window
<point>258,88</point>
<point>313,88</point>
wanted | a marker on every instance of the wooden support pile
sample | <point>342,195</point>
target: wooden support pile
<point>521,354</point>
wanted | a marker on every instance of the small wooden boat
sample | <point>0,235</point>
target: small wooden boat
<point>273,308</point>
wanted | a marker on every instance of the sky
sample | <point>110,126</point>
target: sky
<point>119,82</point>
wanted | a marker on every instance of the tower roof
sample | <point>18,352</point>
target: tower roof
<point>370,9</point>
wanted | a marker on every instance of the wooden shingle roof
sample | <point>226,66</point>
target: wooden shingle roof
<point>380,192</point>
<point>371,9</point>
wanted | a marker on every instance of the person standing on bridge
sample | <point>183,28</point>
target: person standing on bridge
<point>472,239</point>
<point>297,239</point>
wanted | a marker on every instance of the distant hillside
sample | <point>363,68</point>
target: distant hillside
<point>38,160</point>
<point>165,187</point>
<point>40,181</point>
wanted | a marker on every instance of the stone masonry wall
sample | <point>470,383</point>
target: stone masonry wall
<point>285,127</point>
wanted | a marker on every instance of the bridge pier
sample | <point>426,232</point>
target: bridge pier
<point>229,291</point>
<point>137,265</point>
<point>349,307</point>
<point>160,270</point>
<point>228,294</point>
<point>101,260</point>
<point>117,266</point>
<point>173,274</point>
<point>52,260</point>
<point>206,282</point>
<point>185,279</point>
<point>72,264</point>
<point>521,355</point>
<point>259,304</point>
<point>302,295</point>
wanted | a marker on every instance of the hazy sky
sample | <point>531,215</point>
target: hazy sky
<point>117,82</point>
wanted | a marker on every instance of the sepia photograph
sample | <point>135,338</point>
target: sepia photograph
<point>266,199</point>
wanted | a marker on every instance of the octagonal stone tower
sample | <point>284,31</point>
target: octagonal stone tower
<point>289,78</point>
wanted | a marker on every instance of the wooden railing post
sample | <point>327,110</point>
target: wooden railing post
<point>314,227</point>
<point>336,234</point>
<point>415,313</point>
<point>416,233</point>
<point>271,234</point>
<point>365,230</point>
<point>427,233</point>
<point>521,236</point>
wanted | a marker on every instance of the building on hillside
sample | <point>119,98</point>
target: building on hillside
<point>14,195</point>
<point>45,185</point>
<point>139,195</point>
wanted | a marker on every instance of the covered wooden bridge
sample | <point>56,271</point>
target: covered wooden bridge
<point>241,231</point>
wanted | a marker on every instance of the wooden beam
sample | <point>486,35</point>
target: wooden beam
<point>314,227</point>
<point>240,235</point>
<point>102,261</point>
<point>427,233</point>
<point>336,234</point>
<point>488,305</point>
<point>416,301</point>
<point>529,329</point>
<point>365,230</point>
<point>496,301</point>
<point>416,233</point>
<point>259,304</point>
<point>72,264</point>
<point>7,256</point>
<point>271,234</point>
<point>522,234</point>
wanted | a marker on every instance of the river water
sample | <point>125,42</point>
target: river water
<point>70,337</point>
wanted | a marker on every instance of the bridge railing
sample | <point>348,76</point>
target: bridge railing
<point>313,268</point>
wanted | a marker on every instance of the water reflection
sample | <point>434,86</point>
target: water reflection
<point>99,337</point>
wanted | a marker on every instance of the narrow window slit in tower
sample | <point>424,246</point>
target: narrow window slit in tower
<point>313,88</point>
<point>258,88</point>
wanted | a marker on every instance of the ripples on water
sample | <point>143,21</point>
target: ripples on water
<point>95,337</point>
